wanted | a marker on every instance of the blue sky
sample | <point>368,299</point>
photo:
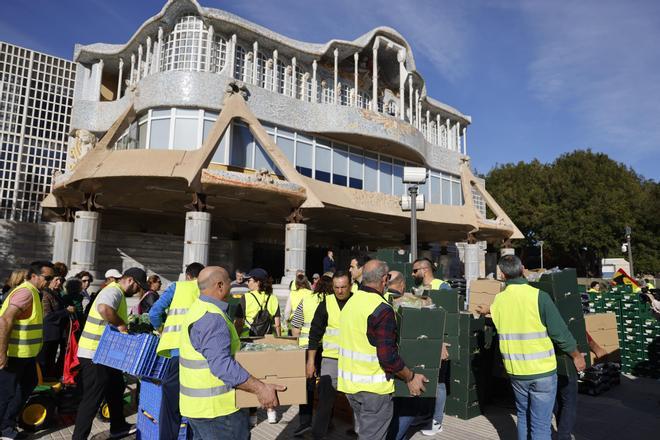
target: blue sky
<point>539,78</point>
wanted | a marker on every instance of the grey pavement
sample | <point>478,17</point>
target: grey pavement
<point>630,410</point>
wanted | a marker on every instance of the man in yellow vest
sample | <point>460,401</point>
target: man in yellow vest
<point>422,273</point>
<point>21,338</point>
<point>174,304</point>
<point>324,334</point>
<point>528,323</point>
<point>100,382</point>
<point>355,268</point>
<point>369,356</point>
<point>209,374</point>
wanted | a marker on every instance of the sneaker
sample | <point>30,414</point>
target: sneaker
<point>253,420</point>
<point>272,416</point>
<point>301,430</point>
<point>128,429</point>
<point>436,428</point>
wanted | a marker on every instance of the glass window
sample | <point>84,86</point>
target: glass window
<point>160,113</point>
<point>436,189</point>
<point>160,134</point>
<point>304,158</point>
<point>456,193</point>
<point>207,129</point>
<point>132,142</point>
<point>241,147</point>
<point>142,135</point>
<point>385,175</point>
<point>186,113</point>
<point>371,172</point>
<point>355,169</point>
<point>339,165</point>
<point>185,134</point>
<point>397,171</point>
<point>219,155</point>
<point>286,145</point>
<point>446,192</point>
<point>262,160</point>
<point>323,162</point>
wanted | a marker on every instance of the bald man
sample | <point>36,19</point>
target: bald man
<point>208,344</point>
<point>396,286</point>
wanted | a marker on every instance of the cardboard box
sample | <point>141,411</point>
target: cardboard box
<point>275,367</point>
<point>487,286</point>
<point>600,321</point>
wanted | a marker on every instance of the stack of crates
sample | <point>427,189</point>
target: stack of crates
<point>563,289</point>
<point>467,373</point>
<point>396,259</point>
<point>149,410</point>
<point>421,334</point>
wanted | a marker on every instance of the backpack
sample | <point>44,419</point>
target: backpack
<point>262,323</point>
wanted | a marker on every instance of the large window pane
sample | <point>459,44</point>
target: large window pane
<point>219,155</point>
<point>159,113</point>
<point>207,129</point>
<point>142,135</point>
<point>456,194</point>
<point>160,134</point>
<point>385,175</point>
<point>339,165</point>
<point>355,170</point>
<point>436,189</point>
<point>371,172</point>
<point>304,158</point>
<point>185,134</point>
<point>262,160</point>
<point>446,192</point>
<point>323,161</point>
<point>286,145</point>
<point>186,113</point>
<point>399,187</point>
<point>241,147</point>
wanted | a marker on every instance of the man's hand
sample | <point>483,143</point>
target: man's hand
<point>482,309</point>
<point>445,352</point>
<point>311,369</point>
<point>579,361</point>
<point>122,328</point>
<point>3,360</point>
<point>267,395</point>
<point>416,384</point>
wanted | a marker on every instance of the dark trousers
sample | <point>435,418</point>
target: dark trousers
<point>169,420</point>
<point>99,382</point>
<point>17,381</point>
<point>566,406</point>
<point>51,365</point>
<point>234,426</point>
<point>327,395</point>
<point>306,410</point>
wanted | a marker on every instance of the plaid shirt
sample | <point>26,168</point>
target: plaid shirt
<point>382,334</point>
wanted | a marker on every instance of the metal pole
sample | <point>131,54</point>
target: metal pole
<point>541,243</point>
<point>412,190</point>
<point>630,258</point>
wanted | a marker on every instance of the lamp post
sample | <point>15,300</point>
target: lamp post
<point>413,202</point>
<point>630,258</point>
<point>540,242</point>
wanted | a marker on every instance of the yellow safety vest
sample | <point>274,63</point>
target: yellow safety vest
<point>358,366</point>
<point>296,296</point>
<point>331,335</point>
<point>95,324</point>
<point>526,348</point>
<point>436,283</point>
<point>185,293</point>
<point>202,395</point>
<point>355,287</point>
<point>27,335</point>
<point>650,285</point>
<point>309,305</point>
<point>252,307</point>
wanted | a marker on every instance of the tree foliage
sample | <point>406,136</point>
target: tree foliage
<point>579,205</point>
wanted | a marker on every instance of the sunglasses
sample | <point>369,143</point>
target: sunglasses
<point>417,270</point>
<point>48,278</point>
<point>85,280</point>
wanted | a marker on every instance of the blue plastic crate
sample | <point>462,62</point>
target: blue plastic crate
<point>147,429</point>
<point>132,354</point>
<point>150,398</point>
<point>158,369</point>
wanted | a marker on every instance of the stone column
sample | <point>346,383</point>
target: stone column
<point>428,125</point>
<point>132,77</point>
<point>465,140</point>
<point>159,50</point>
<point>197,238</point>
<point>255,68</point>
<point>374,81</point>
<point>295,250</point>
<point>276,73</point>
<point>209,49</point>
<point>147,64</point>
<point>98,80</point>
<point>287,83</point>
<point>231,56</point>
<point>356,90</point>
<point>457,138</point>
<point>447,134</point>
<point>336,71</point>
<point>315,84</point>
<point>294,77</point>
<point>418,122</point>
<point>84,245</point>
<point>62,242</point>
<point>401,57</point>
<point>437,128</point>
<point>139,63</point>
<point>121,74</point>
<point>248,68</point>
<point>471,260</point>
<point>410,99</point>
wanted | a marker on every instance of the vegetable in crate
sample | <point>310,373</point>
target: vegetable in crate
<point>139,324</point>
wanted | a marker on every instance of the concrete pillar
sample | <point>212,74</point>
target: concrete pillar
<point>121,74</point>
<point>147,64</point>
<point>276,72</point>
<point>410,99</point>
<point>437,127</point>
<point>471,260</point>
<point>295,250</point>
<point>139,64</point>
<point>98,80</point>
<point>62,242</point>
<point>465,140</point>
<point>197,238</point>
<point>159,51</point>
<point>336,73</point>
<point>132,77</point>
<point>231,56</point>
<point>401,57</point>
<point>84,245</point>
<point>315,84</point>
<point>255,69</point>
<point>294,77</point>
<point>356,89</point>
<point>209,49</point>
<point>374,81</point>
<point>447,134</point>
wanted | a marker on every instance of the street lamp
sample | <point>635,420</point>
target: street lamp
<point>540,242</point>
<point>413,176</point>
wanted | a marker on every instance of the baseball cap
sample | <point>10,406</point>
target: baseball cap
<point>114,273</point>
<point>139,275</point>
<point>257,273</point>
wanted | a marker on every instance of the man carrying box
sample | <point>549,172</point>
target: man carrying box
<point>369,357</point>
<point>528,323</point>
<point>208,372</point>
<point>99,381</point>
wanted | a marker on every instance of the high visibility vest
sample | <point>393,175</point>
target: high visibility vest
<point>436,283</point>
<point>309,305</point>
<point>297,296</point>
<point>592,290</point>
<point>202,395</point>
<point>331,335</point>
<point>95,324</point>
<point>252,307</point>
<point>524,342</point>
<point>27,335</point>
<point>358,366</point>
<point>650,285</point>
<point>355,287</point>
<point>185,293</point>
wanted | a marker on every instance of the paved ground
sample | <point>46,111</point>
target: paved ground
<point>629,411</point>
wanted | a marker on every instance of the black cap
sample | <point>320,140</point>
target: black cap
<point>139,275</point>
<point>257,273</point>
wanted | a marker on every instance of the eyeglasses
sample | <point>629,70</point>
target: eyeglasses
<point>416,270</point>
<point>85,280</point>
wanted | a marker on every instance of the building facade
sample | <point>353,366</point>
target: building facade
<point>36,96</point>
<point>209,127</point>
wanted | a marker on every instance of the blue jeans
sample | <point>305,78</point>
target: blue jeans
<point>410,411</point>
<point>566,406</point>
<point>535,400</point>
<point>235,426</point>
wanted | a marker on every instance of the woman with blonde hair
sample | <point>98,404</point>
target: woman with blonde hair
<point>16,278</point>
